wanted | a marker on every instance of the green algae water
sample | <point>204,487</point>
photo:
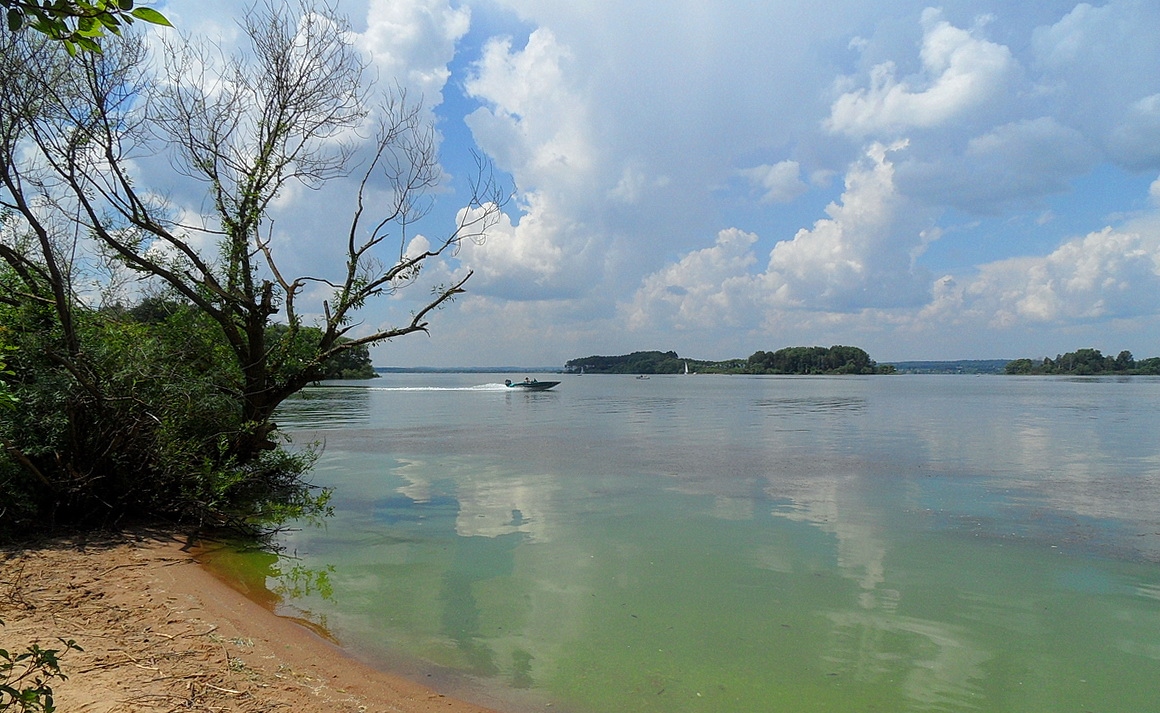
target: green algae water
<point>713,543</point>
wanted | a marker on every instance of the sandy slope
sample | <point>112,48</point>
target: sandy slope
<point>160,633</point>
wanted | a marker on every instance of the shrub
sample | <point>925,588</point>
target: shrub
<point>138,425</point>
<point>25,677</point>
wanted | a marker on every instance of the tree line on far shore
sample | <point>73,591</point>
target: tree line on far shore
<point>837,359</point>
<point>840,359</point>
<point>1086,362</point>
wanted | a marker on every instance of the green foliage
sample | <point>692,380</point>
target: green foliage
<point>791,360</point>
<point>7,399</point>
<point>635,363</point>
<point>142,423</point>
<point>1149,367</point>
<point>75,210</point>
<point>1086,362</point>
<point>78,24</point>
<point>353,363</point>
<point>293,350</point>
<point>165,408</point>
<point>1019,366</point>
<point>25,677</point>
<point>814,360</point>
<point>298,581</point>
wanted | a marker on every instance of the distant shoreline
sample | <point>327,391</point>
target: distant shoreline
<point>469,369</point>
<point>958,366</point>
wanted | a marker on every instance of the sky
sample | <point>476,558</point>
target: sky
<point>969,180</point>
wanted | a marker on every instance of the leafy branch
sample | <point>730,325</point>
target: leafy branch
<point>78,24</point>
<point>25,677</point>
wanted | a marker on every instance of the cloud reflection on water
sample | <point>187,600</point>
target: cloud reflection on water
<point>899,533</point>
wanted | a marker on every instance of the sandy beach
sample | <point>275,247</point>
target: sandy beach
<point>161,633</point>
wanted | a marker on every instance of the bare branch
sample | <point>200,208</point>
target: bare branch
<point>288,109</point>
<point>417,324</point>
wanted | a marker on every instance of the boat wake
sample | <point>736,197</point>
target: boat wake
<point>477,387</point>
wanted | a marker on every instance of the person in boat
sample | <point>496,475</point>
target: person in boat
<point>508,382</point>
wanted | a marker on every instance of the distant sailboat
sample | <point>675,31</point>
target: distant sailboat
<point>686,368</point>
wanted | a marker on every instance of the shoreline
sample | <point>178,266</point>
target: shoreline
<point>160,631</point>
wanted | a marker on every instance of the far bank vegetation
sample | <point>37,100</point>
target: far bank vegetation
<point>838,359</point>
<point>1087,362</point>
<point>790,360</point>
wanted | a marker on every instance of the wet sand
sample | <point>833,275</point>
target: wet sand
<point>161,633</point>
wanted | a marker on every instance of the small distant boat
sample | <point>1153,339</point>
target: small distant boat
<point>642,376</point>
<point>529,385</point>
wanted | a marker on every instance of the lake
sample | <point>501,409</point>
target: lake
<point>738,544</point>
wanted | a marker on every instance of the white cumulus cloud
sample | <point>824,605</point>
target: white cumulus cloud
<point>412,42</point>
<point>706,288</point>
<point>532,123</point>
<point>863,253</point>
<point>536,127</point>
<point>960,72</point>
<point>647,154</point>
<point>779,183</point>
<point>543,256</point>
<point>1109,273</point>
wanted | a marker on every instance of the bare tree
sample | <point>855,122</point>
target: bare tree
<point>287,109</point>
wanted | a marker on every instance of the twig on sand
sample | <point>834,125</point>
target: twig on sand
<point>123,564</point>
<point>230,691</point>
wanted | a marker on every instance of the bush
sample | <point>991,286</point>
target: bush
<point>25,677</point>
<point>138,425</point>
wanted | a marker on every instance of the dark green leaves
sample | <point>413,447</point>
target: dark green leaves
<point>15,20</point>
<point>25,677</point>
<point>78,24</point>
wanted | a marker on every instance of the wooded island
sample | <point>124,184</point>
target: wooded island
<point>852,360</point>
<point>1087,362</point>
<point>791,360</point>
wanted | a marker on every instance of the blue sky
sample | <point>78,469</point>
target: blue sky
<point>971,179</point>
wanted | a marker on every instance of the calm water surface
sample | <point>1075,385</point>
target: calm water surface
<point>713,543</point>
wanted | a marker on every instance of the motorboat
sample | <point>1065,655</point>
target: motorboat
<point>529,385</point>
